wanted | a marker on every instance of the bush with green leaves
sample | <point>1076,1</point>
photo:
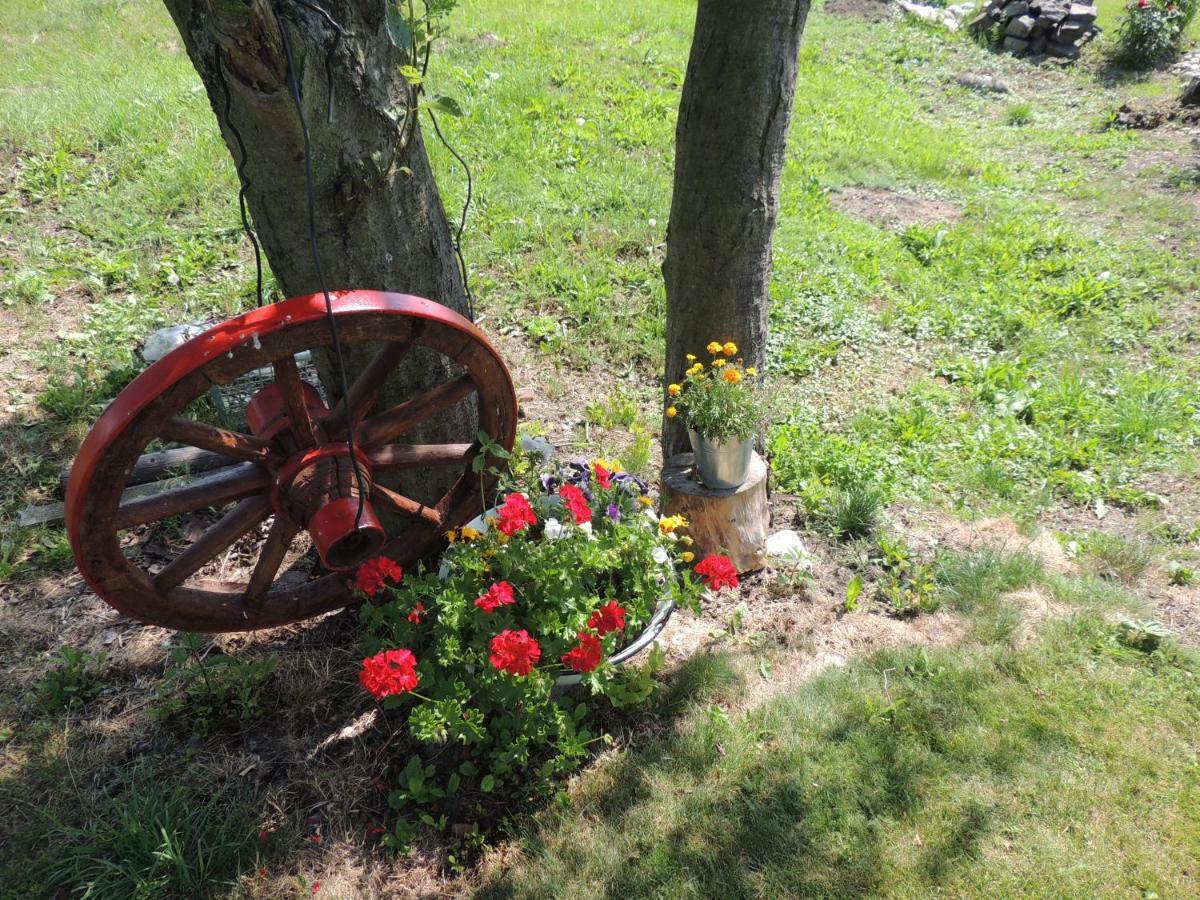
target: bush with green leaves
<point>74,681</point>
<point>722,400</point>
<point>1152,31</point>
<point>569,569</point>
<point>211,691</point>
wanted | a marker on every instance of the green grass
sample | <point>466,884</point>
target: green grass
<point>1024,354</point>
<point>957,774</point>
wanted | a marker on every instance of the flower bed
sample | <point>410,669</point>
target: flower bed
<point>571,575</point>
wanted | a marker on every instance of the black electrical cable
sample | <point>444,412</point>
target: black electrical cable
<point>310,191</point>
<point>339,33</point>
<point>462,222</point>
<point>240,166</point>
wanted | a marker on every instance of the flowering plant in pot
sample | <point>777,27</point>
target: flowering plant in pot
<point>722,406</point>
<point>543,591</point>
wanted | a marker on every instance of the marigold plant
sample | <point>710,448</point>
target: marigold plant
<point>721,399</point>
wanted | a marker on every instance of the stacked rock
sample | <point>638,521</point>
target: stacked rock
<point>1039,27</point>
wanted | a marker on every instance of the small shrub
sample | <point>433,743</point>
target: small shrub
<point>907,583</point>
<point>975,580</point>
<point>1019,114</point>
<point>1180,575</point>
<point>1152,31</point>
<point>853,511</point>
<point>1113,557</point>
<point>1146,635</point>
<point>74,681</point>
<point>211,692</point>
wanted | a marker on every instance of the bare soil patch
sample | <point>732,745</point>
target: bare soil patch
<point>870,10</point>
<point>894,209</point>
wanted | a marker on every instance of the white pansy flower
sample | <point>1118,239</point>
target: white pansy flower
<point>554,530</point>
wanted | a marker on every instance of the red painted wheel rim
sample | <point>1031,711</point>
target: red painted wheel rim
<point>235,337</point>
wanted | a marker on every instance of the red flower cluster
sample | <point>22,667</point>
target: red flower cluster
<point>515,515</point>
<point>389,672</point>
<point>499,594</point>
<point>576,503</point>
<point>586,656</point>
<point>514,652</point>
<point>609,617</point>
<point>373,573</point>
<point>717,572</point>
<point>603,476</point>
<point>418,611</point>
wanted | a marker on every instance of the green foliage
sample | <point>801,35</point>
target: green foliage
<point>619,410</point>
<point>150,838</point>
<point>906,583</point>
<point>490,736</point>
<point>721,401</point>
<point>1146,635</point>
<point>1112,556</point>
<point>211,691</point>
<point>1019,114</point>
<point>905,775</point>
<point>74,681</point>
<point>974,580</point>
<point>1152,31</point>
<point>852,511</point>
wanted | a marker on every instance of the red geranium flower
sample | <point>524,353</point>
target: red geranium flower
<point>586,656</point>
<point>373,573</point>
<point>603,476</point>
<point>389,672</point>
<point>576,503</point>
<point>418,611</point>
<point>717,572</point>
<point>499,594</point>
<point>514,652</point>
<point>515,514</point>
<point>609,617</point>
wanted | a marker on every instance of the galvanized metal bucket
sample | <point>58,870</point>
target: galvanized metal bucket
<point>723,465</point>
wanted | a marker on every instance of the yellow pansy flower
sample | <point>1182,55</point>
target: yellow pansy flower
<point>668,524</point>
<point>452,535</point>
<point>674,390</point>
<point>469,534</point>
<point>733,376</point>
<point>714,347</point>
<point>730,348</point>
<point>687,556</point>
<point>645,501</point>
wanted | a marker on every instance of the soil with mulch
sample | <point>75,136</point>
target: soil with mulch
<point>1150,117</point>
<point>893,209</point>
<point>870,10</point>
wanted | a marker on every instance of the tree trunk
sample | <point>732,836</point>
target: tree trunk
<point>730,142</point>
<point>380,222</point>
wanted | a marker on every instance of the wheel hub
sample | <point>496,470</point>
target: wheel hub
<point>317,486</point>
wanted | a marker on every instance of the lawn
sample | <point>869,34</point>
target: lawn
<point>984,333</point>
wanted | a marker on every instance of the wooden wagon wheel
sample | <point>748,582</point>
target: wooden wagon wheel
<point>290,465</point>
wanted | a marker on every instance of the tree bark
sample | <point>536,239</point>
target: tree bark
<point>380,223</point>
<point>730,143</point>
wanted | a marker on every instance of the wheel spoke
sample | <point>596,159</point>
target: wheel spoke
<point>216,539</point>
<point>389,425</point>
<point>230,483</point>
<point>216,440</point>
<point>367,387</point>
<point>291,386</point>
<point>279,541</point>
<point>416,456</point>
<point>407,505</point>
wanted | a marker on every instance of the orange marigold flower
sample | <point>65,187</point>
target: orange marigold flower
<point>733,376</point>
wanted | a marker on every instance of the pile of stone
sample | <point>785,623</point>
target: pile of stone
<point>1057,28</point>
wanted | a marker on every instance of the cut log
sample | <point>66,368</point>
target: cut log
<point>732,522</point>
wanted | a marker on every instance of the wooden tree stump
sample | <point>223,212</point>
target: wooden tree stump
<point>732,522</point>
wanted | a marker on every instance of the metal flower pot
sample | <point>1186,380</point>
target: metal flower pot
<point>723,465</point>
